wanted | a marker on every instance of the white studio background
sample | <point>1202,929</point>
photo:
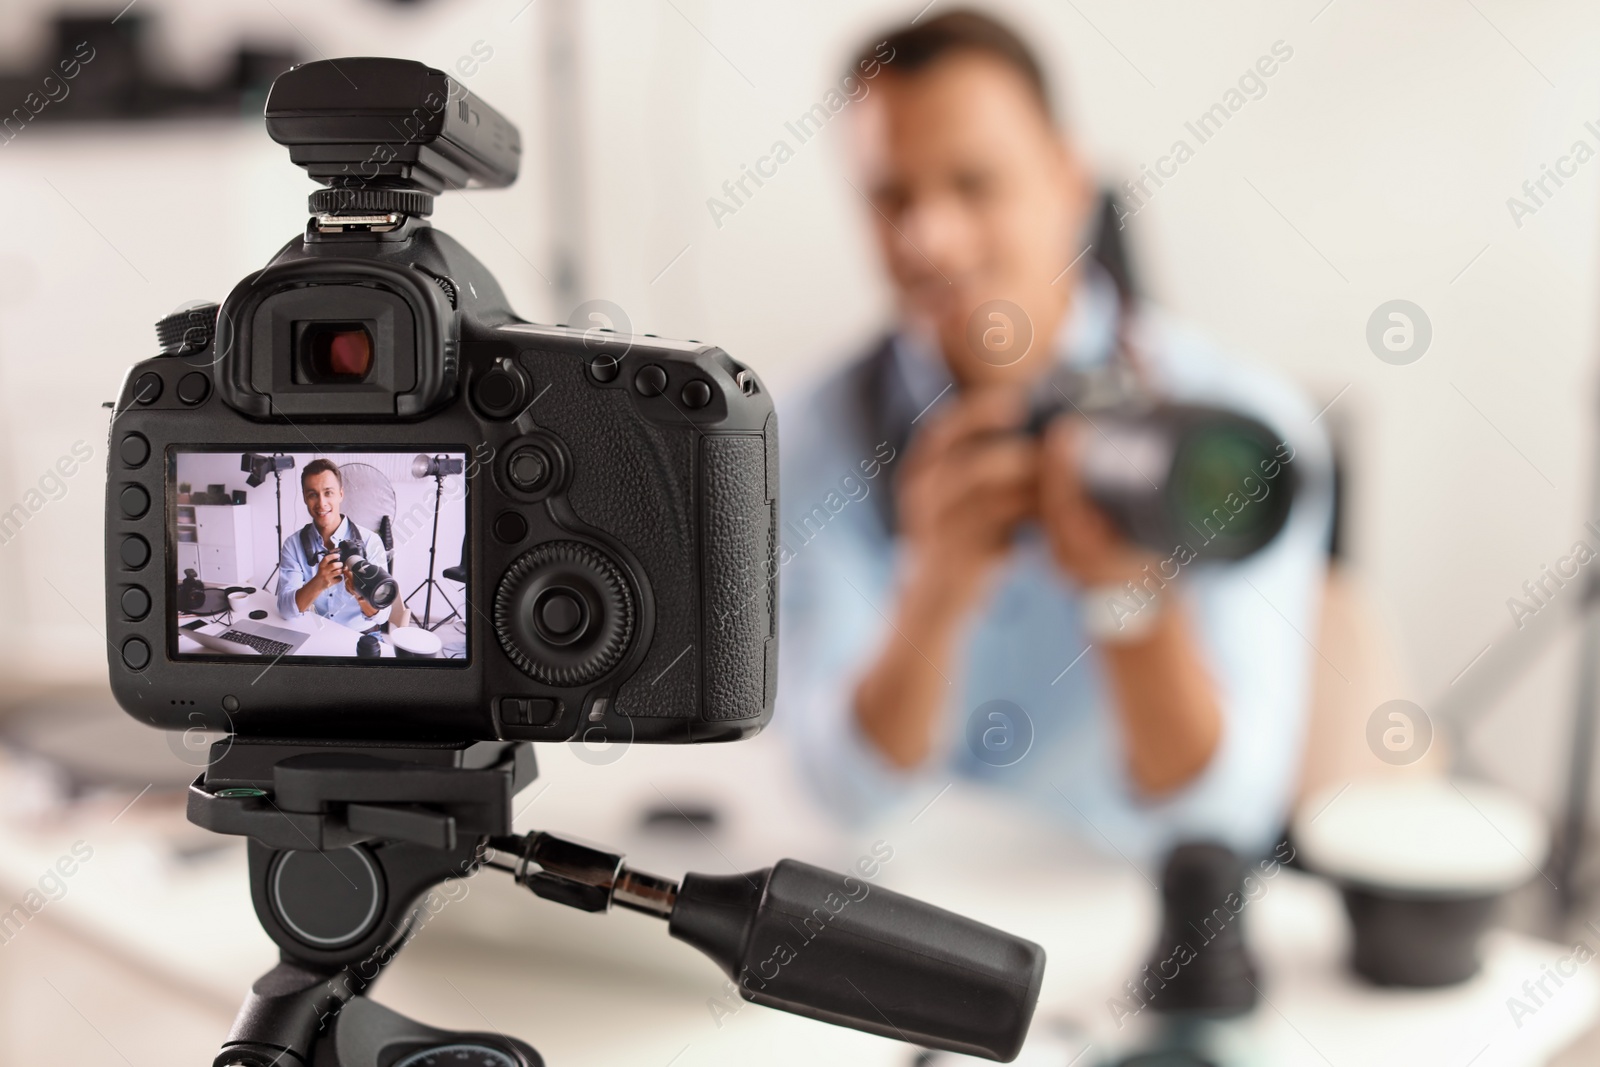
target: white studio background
<point>111,226</point>
<point>1376,167</point>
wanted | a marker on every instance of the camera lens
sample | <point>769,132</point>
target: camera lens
<point>336,352</point>
<point>1219,488</point>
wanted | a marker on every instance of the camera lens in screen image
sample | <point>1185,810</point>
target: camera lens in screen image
<point>356,556</point>
<point>336,352</point>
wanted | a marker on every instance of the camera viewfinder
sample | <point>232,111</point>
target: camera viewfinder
<point>335,353</point>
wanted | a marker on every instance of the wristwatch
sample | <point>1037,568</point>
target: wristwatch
<point>1120,614</point>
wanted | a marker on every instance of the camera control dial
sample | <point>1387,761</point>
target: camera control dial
<point>564,613</point>
<point>187,330</point>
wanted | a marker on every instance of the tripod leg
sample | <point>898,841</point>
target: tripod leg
<point>433,548</point>
<point>454,611</point>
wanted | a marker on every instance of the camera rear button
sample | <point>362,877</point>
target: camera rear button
<point>528,711</point>
<point>540,710</point>
<point>134,501</point>
<point>135,552</point>
<point>134,450</point>
<point>509,527</point>
<point>147,389</point>
<point>498,393</point>
<point>697,394</point>
<point>529,469</point>
<point>650,381</point>
<point>135,602</point>
<point>136,654</point>
<point>194,387</point>
<point>604,368</point>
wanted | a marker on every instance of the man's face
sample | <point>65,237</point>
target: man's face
<point>324,497</point>
<point>978,198</point>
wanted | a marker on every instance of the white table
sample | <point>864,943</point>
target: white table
<point>327,638</point>
<point>614,989</point>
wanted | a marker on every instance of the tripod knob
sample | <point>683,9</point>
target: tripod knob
<point>327,900</point>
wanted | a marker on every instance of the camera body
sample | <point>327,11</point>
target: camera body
<point>614,495</point>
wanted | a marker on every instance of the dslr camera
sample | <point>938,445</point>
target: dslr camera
<point>612,526</point>
<point>606,504</point>
<point>1196,480</point>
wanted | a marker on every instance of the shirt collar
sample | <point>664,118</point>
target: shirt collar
<point>340,533</point>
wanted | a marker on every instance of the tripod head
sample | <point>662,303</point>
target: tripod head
<point>346,840</point>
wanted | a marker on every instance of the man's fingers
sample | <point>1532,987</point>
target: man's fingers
<point>984,512</point>
<point>1007,462</point>
<point>989,411</point>
<point>1061,490</point>
<point>1062,495</point>
<point>1061,453</point>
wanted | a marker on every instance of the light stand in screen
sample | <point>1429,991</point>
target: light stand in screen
<point>259,467</point>
<point>437,468</point>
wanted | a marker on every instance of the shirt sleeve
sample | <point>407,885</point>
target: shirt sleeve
<point>292,574</point>
<point>836,588</point>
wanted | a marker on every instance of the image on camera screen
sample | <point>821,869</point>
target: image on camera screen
<point>317,556</point>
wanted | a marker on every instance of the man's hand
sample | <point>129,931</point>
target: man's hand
<point>1166,701</point>
<point>1083,541</point>
<point>330,572</point>
<point>967,484</point>
<point>968,481</point>
<point>361,601</point>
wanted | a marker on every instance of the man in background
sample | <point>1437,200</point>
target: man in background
<point>962,586</point>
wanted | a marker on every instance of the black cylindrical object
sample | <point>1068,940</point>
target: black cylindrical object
<point>374,583</point>
<point>839,949</point>
<point>1416,938</point>
<point>1201,965</point>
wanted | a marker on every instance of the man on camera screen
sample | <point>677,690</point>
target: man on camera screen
<point>313,575</point>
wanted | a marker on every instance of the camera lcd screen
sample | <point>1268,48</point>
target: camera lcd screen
<point>338,556</point>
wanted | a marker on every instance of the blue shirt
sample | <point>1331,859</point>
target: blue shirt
<point>336,603</point>
<point>1026,645</point>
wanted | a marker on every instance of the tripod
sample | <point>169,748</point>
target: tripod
<point>346,843</point>
<point>430,582</point>
<point>277,476</point>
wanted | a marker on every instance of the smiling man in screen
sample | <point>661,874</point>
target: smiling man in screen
<point>313,577</point>
<point>952,624</point>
